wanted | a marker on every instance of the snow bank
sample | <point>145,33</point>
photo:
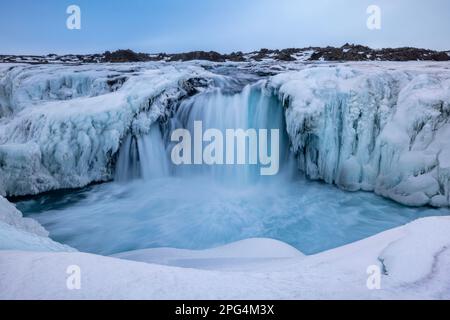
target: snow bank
<point>18,233</point>
<point>13,217</point>
<point>375,127</point>
<point>241,255</point>
<point>337,274</point>
<point>22,86</point>
<point>61,126</point>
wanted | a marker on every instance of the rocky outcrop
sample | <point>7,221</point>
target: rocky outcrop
<point>348,52</point>
<point>198,55</point>
<point>125,56</point>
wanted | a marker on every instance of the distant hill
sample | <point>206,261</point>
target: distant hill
<point>348,52</point>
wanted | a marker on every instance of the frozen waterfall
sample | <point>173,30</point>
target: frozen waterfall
<point>147,155</point>
<point>380,127</point>
<point>142,157</point>
<point>337,122</point>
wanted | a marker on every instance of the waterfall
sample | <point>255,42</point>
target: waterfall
<point>143,157</point>
<point>128,166</point>
<point>148,156</point>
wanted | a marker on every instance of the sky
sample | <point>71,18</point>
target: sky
<point>39,27</point>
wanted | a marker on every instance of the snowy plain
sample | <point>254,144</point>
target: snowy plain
<point>62,127</point>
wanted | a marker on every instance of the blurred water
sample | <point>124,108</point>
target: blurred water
<point>201,213</point>
<point>156,204</point>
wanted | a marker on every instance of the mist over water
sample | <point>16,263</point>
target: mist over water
<point>149,156</point>
<point>153,203</point>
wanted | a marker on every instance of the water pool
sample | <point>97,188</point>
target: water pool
<point>198,213</point>
<point>198,207</point>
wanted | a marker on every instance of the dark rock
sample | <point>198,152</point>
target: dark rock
<point>191,85</point>
<point>236,57</point>
<point>262,54</point>
<point>125,56</point>
<point>284,56</point>
<point>198,55</point>
<point>116,82</point>
<point>350,52</point>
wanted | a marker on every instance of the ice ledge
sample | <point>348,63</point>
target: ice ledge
<point>415,258</point>
<point>11,216</point>
<point>62,126</point>
<point>373,127</point>
<point>19,233</point>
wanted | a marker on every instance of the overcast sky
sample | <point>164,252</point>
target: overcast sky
<point>38,27</point>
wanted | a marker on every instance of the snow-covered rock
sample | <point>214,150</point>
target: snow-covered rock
<point>13,217</point>
<point>19,233</point>
<point>22,85</point>
<point>377,127</point>
<point>342,273</point>
<point>62,126</point>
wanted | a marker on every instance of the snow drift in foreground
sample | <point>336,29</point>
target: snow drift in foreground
<point>415,260</point>
<point>18,233</point>
<point>376,127</point>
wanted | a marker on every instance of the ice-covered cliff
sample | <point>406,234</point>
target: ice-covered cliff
<point>61,126</point>
<point>375,126</point>
<point>381,127</point>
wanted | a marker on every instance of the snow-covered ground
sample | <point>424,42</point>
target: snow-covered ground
<point>414,261</point>
<point>18,233</point>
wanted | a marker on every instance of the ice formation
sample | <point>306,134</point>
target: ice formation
<point>373,127</point>
<point>376,126</point>
<point>379,127</point>
<point>18,233</point>
<point>61,126</point>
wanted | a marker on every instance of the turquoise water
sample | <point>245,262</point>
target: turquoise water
<point>199,207</point>
<point>198,213</point>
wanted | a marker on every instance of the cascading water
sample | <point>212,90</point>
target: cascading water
<point>154,203</point>
<point>148,156</point>
<point>142,157</point>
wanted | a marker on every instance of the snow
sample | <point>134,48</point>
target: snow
<point>62,126</point>
<point>18,233</point>
<point>377,126</point>
<point>13,217</point>
<point>380,127</point>
<point>241,255</point>
<point>23,86</point>
<point>415,259</point>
